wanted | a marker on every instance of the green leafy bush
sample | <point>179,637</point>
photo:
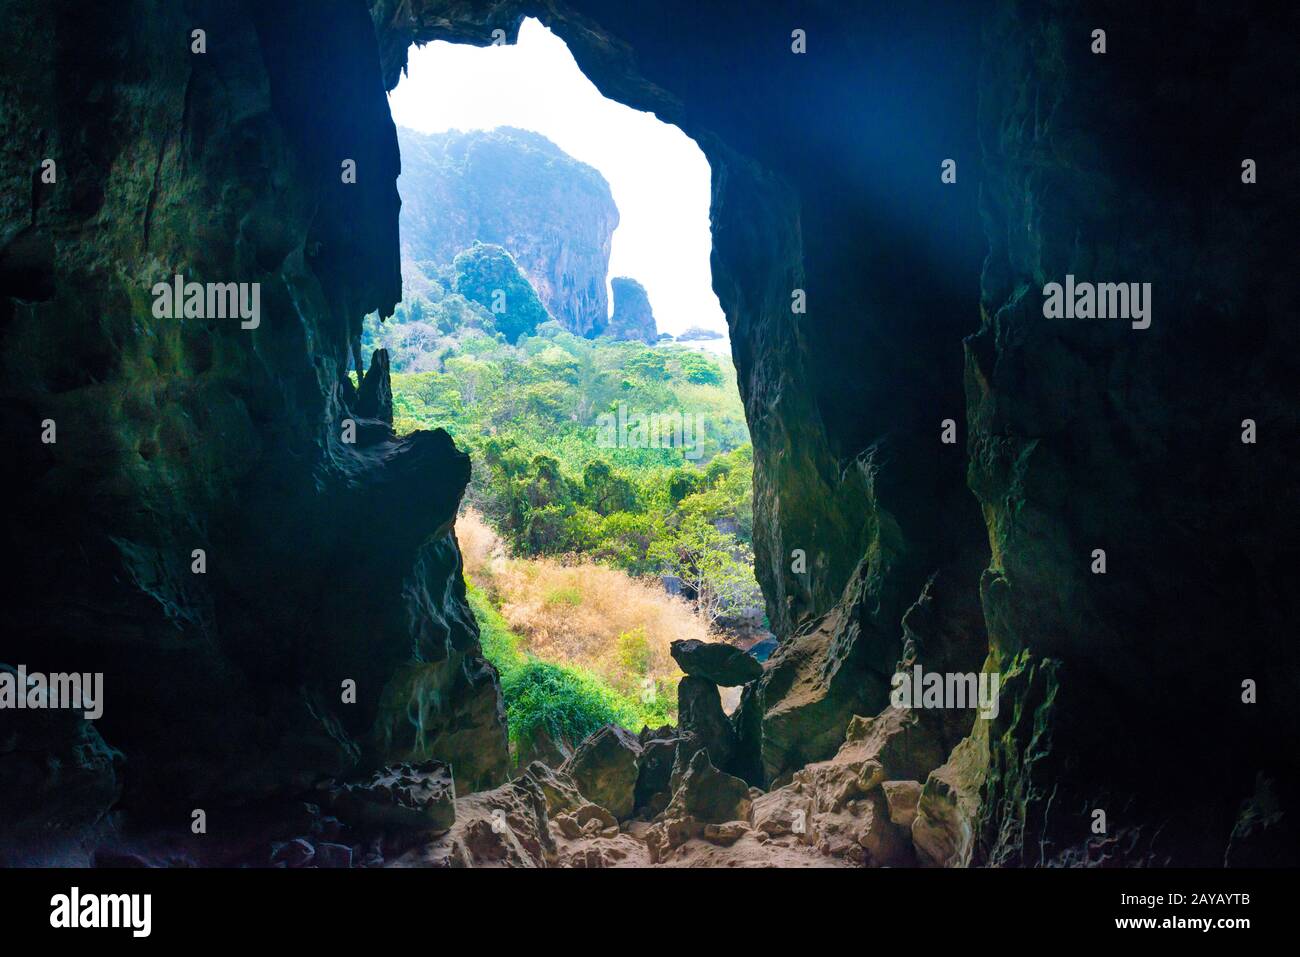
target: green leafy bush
<point>566,701</point>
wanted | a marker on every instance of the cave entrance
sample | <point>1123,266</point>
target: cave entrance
<point>558,319</point>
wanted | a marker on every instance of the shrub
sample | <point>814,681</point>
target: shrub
<point>500,645</point>
<point>565,701</point>
<point>634,651</point>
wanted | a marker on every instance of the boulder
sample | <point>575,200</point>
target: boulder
<point>699,712</point>
<point>654,774</point>
<point>557,788</point>
<point>944,827</point>
<point>715,661</point>
<point>541,745</point>
<point>333,855</point>
<point>902,797</point>
<point>785,811</point>
<point>707,795</point>
<point>296,853</point>
<point>404,796</point>
<point>586,821</point>
<point>604,768</point>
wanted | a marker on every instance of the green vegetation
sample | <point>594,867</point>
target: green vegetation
<point>599,465</point>
<point>568,701</point>
<point>632,455</point>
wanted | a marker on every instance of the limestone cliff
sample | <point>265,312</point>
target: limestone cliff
<point>632,317</point>
<point>518,190</point>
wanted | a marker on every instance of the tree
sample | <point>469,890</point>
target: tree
<point>487,274</point>
<point>605,490</point>
<point>713,567</point>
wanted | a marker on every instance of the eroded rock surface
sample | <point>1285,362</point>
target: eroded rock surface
<point>604,767</point>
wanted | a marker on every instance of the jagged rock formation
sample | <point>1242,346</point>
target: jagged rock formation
<point>201,530</point>
<point>633,318</point>
<point>515,189</point>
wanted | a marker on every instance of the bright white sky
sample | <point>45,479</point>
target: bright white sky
<point>658,175</point>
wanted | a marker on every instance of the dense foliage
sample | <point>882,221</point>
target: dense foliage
<point>567,701</point>
<point>565,463</point>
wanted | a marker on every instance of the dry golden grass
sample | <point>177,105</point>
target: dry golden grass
<point>583,614</point>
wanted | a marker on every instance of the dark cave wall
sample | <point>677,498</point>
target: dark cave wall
<point>326,561</point>
<point>1091,434</point>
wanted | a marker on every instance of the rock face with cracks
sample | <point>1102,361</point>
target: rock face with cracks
<point>264,573</point>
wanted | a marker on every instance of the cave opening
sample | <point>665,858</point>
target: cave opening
<point>558,319</point>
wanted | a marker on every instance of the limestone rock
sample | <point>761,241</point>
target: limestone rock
<point>404,796</point>
<point>298,852</point>
<point>943,830</point>
<point>785,811</point>
<point>725,835</point>
<point>604,768</point>
<point>707,795</point>
<point>557,788</point>
<point>587,820</point>
<point>332,855</point>
<point>902,797</point>
<point>655,769</point>
<point>60,779</point>
<point>633,318</point>
<point>508,826</point>
<point>699,712</point>
<point>715,661</point>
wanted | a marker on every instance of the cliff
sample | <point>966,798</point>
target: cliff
<point>517,190</point>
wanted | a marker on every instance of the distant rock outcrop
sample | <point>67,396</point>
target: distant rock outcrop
<point>633,318</point>
<point>699,334</point>
<point>517,190</point>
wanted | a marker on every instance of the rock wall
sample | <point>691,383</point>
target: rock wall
<point>1090,434</point>
<point>518,190</point>
<point>323,561</point>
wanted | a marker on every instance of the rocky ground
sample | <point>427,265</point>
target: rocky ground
<point>657,799</point>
